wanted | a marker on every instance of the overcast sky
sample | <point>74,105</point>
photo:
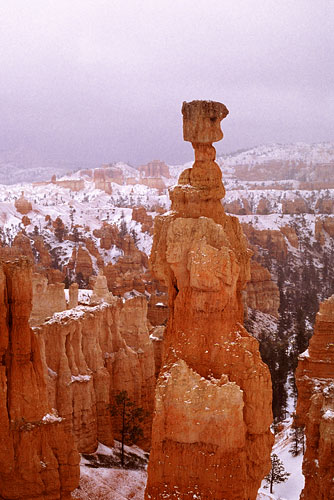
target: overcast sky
<point>104,80</point>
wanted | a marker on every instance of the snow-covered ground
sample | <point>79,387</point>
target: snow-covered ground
<point>114,483</point>
<point>291,489</point>
<point>111,482</point>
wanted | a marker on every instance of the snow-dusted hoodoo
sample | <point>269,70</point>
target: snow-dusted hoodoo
<point>211,437</point>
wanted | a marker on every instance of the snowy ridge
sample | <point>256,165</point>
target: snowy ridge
<point>295,152</point>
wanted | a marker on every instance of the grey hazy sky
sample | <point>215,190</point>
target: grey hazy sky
<point>104,80</point>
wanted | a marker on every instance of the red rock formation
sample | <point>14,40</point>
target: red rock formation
<point>291,235</point>
<point>154,183</point>
<point>102,180</point>
<point>296,206</point>
<point>46,299</point>
<point>262,292</point>
<point>100,290</point>
<point>53,275</point>
<point>325,206</point>
<point>139,214</point>
<point>272,240</point>
<point>109,235</point>
<point>43,257</point>
<point>238,207</point>
<point>72,184</point>
<point>324,225</point>
<point>81,262</point>
<point>90,354</point>
<point>92,249</point>
<point>158,309</point>
<point>263,207</point>
<point>155,168</point>
<point>22,243</point>
<point>22,205</point>
<point>26,221</point>
<point>157,336</point>
<point>38,458</point>
<point>129,271</point>
<point>315,406</point>
<point>210,436</point>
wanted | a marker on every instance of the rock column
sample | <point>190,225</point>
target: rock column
<point>211,436</point>
<point>315,406</point>
<point>38,457</point>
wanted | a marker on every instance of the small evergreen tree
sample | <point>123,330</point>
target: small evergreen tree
<point>59,229</point>
<point>123,230</point>
<point>277,474</point>
<point>297,434</point>
<point>130,418</point>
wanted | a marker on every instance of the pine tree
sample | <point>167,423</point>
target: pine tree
<point>130,418</point>
<point>297,434</point>
<point>59,229</point>
<point>123,227</point>
<point>277,474</point>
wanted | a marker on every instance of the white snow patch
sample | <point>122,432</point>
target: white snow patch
<point>51,418</point>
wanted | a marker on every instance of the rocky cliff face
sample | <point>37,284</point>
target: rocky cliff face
<point>92,353</point>
<point>139,214</point>
<point>315,407</point>
<point>271,240</point>
<point>210,436</point>
<point>38,458</point>
<point>155,168</point>
<point>46,299</point>
<point>262,292</point>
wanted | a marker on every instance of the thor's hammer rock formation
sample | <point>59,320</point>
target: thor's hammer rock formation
<point>211,436</point>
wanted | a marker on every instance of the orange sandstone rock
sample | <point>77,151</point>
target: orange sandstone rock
<point>211,437</point>
<point>81,262</point>
<point>270,239</point>
<point>262,292</point>
<point>46,299</point>
<point>139,214</point>
<point>155,168</point>
<point>22,243</point>
<point>90,354</point>
<point>22,205</point>
<point>38,457</point>
<point>315,406</point>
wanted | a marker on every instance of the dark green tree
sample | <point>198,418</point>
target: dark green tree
<point>123,230</point>
<point>277,474</point>
<point>59,229</point>
<point>82,282</point>
<point>130,417</point>
<point>297,434</point>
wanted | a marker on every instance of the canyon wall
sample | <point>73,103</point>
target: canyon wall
<point>262,292</point>
<point>315,407</point>
<point>90,354</point>
<point>38,457</point>
<point>210,436</point>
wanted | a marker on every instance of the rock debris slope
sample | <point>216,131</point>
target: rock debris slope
<point>211,436</point>
<point>315,407</point>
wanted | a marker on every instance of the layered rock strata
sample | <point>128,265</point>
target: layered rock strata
<point>315,407</point>
<point>90,354</point>
<point>210,436</point>
<point>38,457</point>
<point>46,299</point>
<point>262,292</point>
